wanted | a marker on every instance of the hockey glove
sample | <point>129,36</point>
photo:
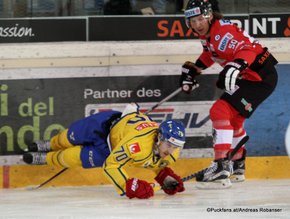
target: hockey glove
<point>228,76</point>
<point>188,72</point>
<point>136,188</point>
<point>169,181</point>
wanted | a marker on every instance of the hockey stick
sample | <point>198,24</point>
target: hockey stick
<point>48,180</point>
<point>164,100</point>
<point>174,93</point>
<point>148,111</point>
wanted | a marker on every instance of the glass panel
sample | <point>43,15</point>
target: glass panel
<point>44,8</point>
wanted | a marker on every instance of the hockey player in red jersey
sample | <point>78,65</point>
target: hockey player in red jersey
<point>248,78</point>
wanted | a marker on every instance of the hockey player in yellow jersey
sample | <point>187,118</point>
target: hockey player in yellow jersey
<point>113,140</point>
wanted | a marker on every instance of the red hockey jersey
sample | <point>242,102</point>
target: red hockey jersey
<point>228,42</point>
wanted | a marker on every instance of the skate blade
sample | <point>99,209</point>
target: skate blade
<point>237,178</point>
<point>218,184</point>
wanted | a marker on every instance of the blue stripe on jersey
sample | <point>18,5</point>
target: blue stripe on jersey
<point>145,157</point>
<point>172,158</point>
<point>118,120</point>
<point>123,192</point>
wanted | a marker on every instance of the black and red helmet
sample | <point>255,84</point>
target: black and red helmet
<point>196,8</point>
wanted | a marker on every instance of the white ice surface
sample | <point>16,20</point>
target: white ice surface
<point>103,202</point>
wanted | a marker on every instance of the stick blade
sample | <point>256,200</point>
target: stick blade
<point>31,188</point>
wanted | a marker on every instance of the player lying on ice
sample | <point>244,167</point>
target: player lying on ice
<point>113,140</point>
<point>248,78</point>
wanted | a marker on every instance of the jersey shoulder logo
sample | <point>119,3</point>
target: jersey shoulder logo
<point>134,148</point>
<point>217,37</point>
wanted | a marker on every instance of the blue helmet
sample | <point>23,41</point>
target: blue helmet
<point>172,131</point>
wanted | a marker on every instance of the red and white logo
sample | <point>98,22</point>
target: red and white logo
<point>145,125</point>
<point>134,148</point>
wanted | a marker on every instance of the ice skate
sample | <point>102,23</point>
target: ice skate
<point>35,158</point>
<point>216,176</point>
<point>238,174</point>
<point>39,146</point>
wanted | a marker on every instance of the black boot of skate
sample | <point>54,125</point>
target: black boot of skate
<point>35,158</point>
<point>40,146</point>
<point>216,176</point>
<point>239,167</point>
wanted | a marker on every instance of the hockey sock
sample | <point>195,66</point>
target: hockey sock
<point>69,157</point>
<point>236,139</point>
<point>223,142</point>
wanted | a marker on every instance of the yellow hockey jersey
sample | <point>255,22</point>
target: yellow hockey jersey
<point>132,141</point>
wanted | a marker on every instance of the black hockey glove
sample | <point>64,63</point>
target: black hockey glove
<point>188,73</point>
<point>228,76</point>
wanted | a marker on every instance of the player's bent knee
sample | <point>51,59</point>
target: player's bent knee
<point>69,157</point>
<point>220,110</point>
<point>220,114</point>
